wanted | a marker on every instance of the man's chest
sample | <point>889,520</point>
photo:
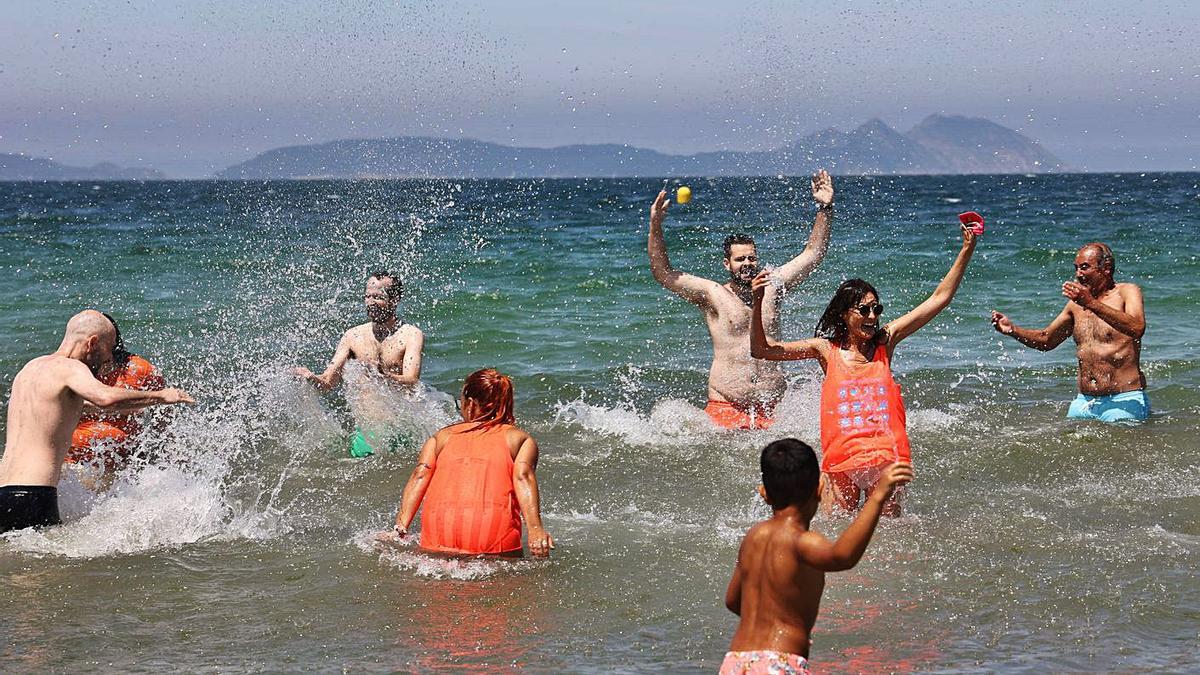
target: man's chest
<point>387,353</point>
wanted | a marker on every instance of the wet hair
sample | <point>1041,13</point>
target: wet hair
<point>492,392</point>
<point>1103,253</point>
<point>734,239</point>
<point>120,353</point>
<point>831,325</point>
<point>396,289</point>
<point>790,472</point>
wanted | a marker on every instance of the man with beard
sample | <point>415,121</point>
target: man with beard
<point>742,391</point>
<point>385,345</point>
<point>1107,321</point>
<point>47,399</point>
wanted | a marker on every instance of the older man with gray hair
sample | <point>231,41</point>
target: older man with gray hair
<point>1107,320</point>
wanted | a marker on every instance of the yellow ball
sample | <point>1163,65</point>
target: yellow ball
<point>683,195</point>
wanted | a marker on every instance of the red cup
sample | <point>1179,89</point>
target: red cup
<point>973,221</point>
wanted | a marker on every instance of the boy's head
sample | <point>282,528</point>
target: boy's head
<point>790,473</point>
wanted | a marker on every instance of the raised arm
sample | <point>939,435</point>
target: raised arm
<point>906,325</point>
<point>1042,340</point>
<point>333,372</point>
<point>81,381</point>
<point>691,288</point>
<point>526,487</point>
<point>797,269</point>
<point>845,553</point>
<point>1131,322</point>
<point>763,346</point>
<point>418,483</point>
<point>410,371</point>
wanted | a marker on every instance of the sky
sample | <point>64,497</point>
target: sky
<point>192,87</point>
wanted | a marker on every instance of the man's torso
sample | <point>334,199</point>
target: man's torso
<point>1109,360</point>
<point>384,355</point>
<point>735,376</point>
<point>42,414</point>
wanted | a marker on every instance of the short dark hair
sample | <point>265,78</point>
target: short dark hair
<point>736,238</point>
<point>396,289</point>
<point>790,472</point>
<point>831,325</point>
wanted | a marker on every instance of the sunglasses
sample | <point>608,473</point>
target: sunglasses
<point>867,310</point>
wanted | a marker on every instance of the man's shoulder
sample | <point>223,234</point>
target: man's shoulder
<point>49,368</point>
<point>56,362</point>
<point>1126,286</point>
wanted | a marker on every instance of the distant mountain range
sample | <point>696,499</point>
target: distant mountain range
<point>24,167</point>
<point>938,145</point>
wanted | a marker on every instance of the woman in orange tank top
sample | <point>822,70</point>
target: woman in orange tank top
<point>476,479</point>
<point>862,413</point>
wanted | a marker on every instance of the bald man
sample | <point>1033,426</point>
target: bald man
<point>1107,321</point>
<point>47,398</point>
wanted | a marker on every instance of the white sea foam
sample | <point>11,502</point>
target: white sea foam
<point>674,422</point>
<point>233,467</point>
<point>406,556</point>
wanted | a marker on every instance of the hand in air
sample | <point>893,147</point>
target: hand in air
<point>1001,323</point>
<point>760,283</point>
<point>171,395</point>
<point>822,188</point>
<point>302,373</point>
<point>969,236</point>
<point>1078,293</point>
<point>540,542</point>
<point>895,475</point>
<point>658,211</point>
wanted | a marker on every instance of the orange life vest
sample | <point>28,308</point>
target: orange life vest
<point>112,429</point>
<point>470,505</point>
<point>862,414</point>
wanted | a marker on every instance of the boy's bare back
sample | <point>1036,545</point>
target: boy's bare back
<point>779,593</point>
<point>780,574</point>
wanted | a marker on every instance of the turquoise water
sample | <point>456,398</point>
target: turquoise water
<point>1031,542</point>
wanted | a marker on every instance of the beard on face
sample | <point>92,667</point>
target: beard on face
<point>380,314</point>
<point>744,276</point>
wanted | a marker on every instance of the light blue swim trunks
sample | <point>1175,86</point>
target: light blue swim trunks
<point>1128,406</point>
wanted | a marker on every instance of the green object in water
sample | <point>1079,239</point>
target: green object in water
<point>359,447</point>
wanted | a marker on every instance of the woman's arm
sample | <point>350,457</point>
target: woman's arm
<point>418,482</point>
<point>923,313</point>
<point>526,487</point>
<point>762,346</point>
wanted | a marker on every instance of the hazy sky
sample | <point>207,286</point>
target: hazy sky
<point>192,87</point>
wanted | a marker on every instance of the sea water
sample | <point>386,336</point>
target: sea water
<point>243,539</point>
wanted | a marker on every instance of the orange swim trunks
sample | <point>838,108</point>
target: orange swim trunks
<point>730,416</point>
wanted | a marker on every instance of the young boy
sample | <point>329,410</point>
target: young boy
<point>780,574</point>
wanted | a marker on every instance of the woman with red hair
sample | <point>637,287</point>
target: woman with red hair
<point>476,478</point>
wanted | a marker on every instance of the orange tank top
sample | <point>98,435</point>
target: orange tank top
<point>470,505</point>
<point>139,374</point>
<point>862,414</point>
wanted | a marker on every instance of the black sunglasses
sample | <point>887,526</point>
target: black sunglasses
<point>865,310</point>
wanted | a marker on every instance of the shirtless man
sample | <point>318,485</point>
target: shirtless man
<point>742,391</point>
<point>48,396</point>
<point>1107,321</point>
<point>385,345</point>
<point>779,577</point>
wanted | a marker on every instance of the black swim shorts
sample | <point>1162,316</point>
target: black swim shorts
<point>23,506</point>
